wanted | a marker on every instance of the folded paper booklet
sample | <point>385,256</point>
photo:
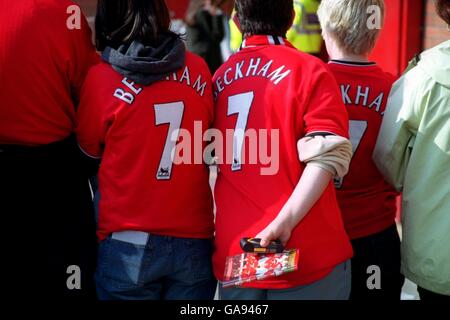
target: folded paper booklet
<point>249,267</point>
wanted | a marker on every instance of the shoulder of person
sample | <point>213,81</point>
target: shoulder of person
<point>101,78</point>
<point>387,78</point>
<point>434,63</point>
<point>416,79</point>
<point>101,69</point>
<point>196,63</point>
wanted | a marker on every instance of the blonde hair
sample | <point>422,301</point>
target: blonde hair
<point>347,22</point>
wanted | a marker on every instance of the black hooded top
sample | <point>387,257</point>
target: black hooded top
<point>145,64</point>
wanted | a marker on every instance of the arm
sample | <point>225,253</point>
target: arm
<point>88,131</point>
<point>309,189</point>
<point>325,149</point>
<point>399,128</point>
<point>83,57</point>
<point>326,157</point>
<point>92,118</point>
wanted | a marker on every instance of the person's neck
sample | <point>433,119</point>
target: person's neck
<point>342,56</point>
<point>248,35</point>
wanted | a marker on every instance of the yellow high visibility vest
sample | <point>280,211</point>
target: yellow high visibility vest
<point>235,34</point>
<point>305,33</point>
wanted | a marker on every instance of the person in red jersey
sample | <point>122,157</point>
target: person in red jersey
<point>45,53</point>
<point>367,201</point>
<point>270,87</point>
<point>156,217</point>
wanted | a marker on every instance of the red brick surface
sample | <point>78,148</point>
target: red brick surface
<point>88,6</point>
<point>435,29</point>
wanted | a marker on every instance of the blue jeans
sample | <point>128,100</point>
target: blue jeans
<point>164,268</point>
<point>335,286</point>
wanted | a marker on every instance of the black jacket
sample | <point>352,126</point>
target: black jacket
<point>205,36</point>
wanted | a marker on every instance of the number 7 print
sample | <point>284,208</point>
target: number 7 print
<point>239,104</point>
<point>172,114</point>
<point>357,130</point>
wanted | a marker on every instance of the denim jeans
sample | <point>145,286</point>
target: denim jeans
<point>165,268</point>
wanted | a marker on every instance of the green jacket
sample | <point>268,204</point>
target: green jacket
<point>413,153</point>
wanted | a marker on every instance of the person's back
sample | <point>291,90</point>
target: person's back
<point>43,64</point>
<point>144,111</point>
<point>289,92</point>
<point>138,179</point>
<point>279,108</point>
<point>365,88</point>
<point>44,186</point>
<point>367,201</point>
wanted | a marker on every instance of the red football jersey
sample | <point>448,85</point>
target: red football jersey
<point>135,129</point>
<point>44,58</point>
<point>367,201</point>
<point>269,85</point>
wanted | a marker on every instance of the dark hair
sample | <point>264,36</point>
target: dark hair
<point>272,17</point>
<point>121,22</point>
<point>443,10</point>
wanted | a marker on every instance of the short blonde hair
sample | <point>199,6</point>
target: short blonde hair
<point>346,21</point>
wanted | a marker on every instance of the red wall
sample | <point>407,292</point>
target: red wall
<point>177,8</point>
<point>401,37</point>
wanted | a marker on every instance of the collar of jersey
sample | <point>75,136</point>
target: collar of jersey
<point>353,63</point>
<point>265,40</point>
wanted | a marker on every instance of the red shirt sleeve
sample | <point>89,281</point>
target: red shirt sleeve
<point>325,111</point>
<point>83,57</point>
<point>94,117</point>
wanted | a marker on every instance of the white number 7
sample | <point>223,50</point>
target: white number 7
<point>239,104</point>
<point>357,130</point>
<point>172,114</point>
